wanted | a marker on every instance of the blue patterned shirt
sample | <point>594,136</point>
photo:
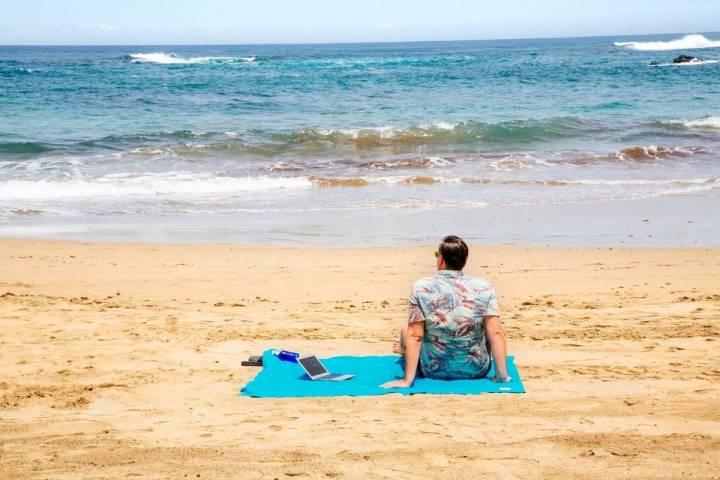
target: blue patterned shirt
<point>453,307</point>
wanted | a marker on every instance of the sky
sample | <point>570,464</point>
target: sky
<point>148,22</point>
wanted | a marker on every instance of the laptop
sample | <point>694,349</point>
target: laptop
<point>317,371</point>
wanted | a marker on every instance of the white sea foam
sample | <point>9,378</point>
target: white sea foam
<point>439,126</point>
<point>187,185</point>
<point>444,125</point>
<point>155,152</point>
<point>704,123</point>
<point>386,131</point>
<point>145,185</point>
<point>171,58</point>
<point>515,162</point>
<point>410,179</point>
<point>678,182</point>
<point>629,185</point>
<point>691,63</point>
<point>439,161</point>
<point>686,43</point>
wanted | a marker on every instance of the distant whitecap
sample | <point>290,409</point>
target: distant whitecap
<point>172,59</point>
<point>691,63</point>
<point>686,43</point>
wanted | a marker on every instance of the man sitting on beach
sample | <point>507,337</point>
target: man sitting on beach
<point>453,324</point>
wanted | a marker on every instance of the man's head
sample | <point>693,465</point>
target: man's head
<point>452,253</point>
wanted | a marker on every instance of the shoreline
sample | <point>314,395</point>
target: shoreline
<point>672,221</point>
<point>124,360</point>
<point>14,241</point>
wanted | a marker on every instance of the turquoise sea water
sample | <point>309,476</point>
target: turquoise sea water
<point>325,143</point>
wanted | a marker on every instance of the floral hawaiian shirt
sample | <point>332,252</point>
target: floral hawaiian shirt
<point>453,307</point>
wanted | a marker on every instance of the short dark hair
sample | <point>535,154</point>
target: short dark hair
<point>454,251</point>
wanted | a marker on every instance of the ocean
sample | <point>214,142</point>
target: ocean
<point>364,143</point>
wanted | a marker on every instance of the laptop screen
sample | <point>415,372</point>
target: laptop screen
<point>312,365</point>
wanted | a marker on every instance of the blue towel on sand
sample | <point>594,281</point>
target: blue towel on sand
<point>279,379</point>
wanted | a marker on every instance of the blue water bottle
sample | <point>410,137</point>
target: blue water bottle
<point>286,356</point>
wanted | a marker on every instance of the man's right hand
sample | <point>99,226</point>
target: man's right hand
<point>397,384</point>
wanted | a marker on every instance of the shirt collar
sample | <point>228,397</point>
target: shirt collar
<point>449,273</point>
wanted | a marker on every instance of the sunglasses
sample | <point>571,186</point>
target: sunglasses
<point>436,253</point>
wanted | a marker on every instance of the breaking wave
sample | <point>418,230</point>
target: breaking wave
<point>656,152</point>
<point>691,63</point>
<point>704,123</point>
<point>515,131</point>
<point>196,188</point>
<point>311,141</point>
<point>424,162</point>
<point>24,147</point>
<point>172,59</point>
<point>685,43</point>
<point>377,148</point>
<point>145,185</point>
<point>692,184</point>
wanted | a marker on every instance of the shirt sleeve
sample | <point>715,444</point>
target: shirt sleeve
<point>492,309</point>
<point>415,313</point>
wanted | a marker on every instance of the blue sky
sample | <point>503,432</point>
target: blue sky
<point>95,22</point>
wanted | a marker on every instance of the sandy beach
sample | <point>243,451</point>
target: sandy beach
<point>123,361</point>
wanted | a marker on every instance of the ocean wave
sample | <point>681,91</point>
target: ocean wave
<point>514,131</point>
<point>194,188</point>
<point>685,43</point>
<point>10,71</point>
<point>172,59</point>
<point>230,159</point>
<point>340,182</point>
<point>513,162</point>
<point>709,182</point>
<point>286,167</point>
<point>406,163</point>
<point>146,141</point>
<point>655,152</point>
<point>141,143</point>
<point>311,141</point>
<point>387,180</point>
<point>145,185</point>
<point>508,163</point>
<point>702,183</point>
<point>318,142</point>
<point>703,123</point>
<point>25,147</point>
<point>639,154</point>
<point>390,180</point>
<point>691,63</point>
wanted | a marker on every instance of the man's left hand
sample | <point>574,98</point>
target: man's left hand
<point>397,384</point>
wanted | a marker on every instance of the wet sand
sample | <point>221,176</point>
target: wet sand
<point>123,361</point>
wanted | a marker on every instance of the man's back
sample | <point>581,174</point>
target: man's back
<point>454,307</point>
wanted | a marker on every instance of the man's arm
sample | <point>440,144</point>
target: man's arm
<point>412,339</point>
<point>496,334</point>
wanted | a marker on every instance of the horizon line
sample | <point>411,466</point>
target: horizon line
<point>362,42</point>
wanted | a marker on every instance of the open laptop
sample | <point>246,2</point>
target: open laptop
<point>317,371</point>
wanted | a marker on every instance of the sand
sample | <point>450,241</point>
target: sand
<point>123,361</point>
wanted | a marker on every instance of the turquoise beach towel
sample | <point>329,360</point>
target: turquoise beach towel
<point>279,379</point>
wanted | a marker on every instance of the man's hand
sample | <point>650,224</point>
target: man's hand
<point>397,384</point>
<point>412,339</point>
<point>499,379</point>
